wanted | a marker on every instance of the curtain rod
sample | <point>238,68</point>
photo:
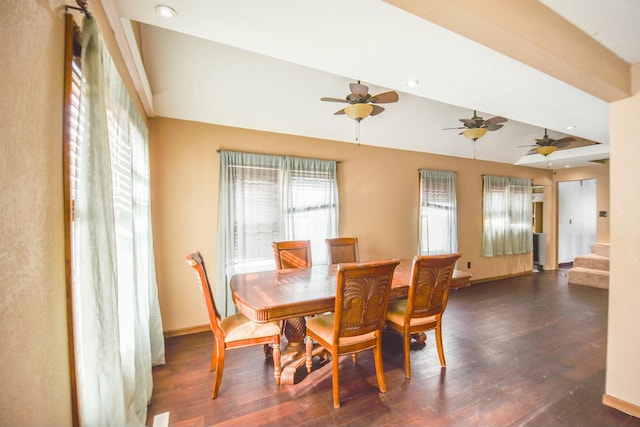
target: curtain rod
<point>440,170</point>
<point>276,155</point>
<point>82,7</point>
<point>504,176</point>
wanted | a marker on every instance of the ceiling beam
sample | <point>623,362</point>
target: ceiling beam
<point>530,32</point>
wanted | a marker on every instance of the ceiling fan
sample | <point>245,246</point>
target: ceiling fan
<point>476,126</point>
<point>361,103</point>
<point>546,145</point>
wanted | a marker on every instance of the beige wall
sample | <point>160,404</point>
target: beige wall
<point>378,202</point>
<point>623,347</point>
<point>34,364</point>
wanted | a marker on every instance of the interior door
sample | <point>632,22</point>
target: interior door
<point>576,218</point>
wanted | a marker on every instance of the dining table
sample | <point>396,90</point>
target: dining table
<point>291,294</point>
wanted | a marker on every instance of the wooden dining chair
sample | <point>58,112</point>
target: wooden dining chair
<point>427,299</point>
<point>362,298</point>
<point>342,249</point>
<point>292,254</point>
<point>234,331</point>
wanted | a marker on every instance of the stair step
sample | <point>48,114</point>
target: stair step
<point>592,261</point>
<point>589,277</point>
<point>601,249</point>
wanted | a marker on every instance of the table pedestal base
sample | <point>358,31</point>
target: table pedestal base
<point>294,355</point>
<point>421,338</point>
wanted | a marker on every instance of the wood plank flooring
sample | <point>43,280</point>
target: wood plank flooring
<point>526,351</point>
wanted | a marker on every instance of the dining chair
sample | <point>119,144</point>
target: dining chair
<point>292,254</point>
<point>355,325</point>
<point>234,331</point>
<point>422,311</point>
<point>342,249</point>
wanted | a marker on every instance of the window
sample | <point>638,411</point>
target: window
<point>263,199</point>
<point>506,216</point>
<point>438,226</point>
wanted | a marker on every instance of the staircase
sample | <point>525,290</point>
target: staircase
<point>592,269</point>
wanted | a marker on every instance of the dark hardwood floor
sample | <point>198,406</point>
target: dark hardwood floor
<point>526,351</point>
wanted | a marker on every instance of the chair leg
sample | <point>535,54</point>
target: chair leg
<point>277,368</point>
<point>268,349</point>
<point>220,368</point>
<point>336,383</point>
<point>406,344</point>
<point>309,353</point>
<point>382,385</point>
<point>214,355</point>
<point>439,345</point>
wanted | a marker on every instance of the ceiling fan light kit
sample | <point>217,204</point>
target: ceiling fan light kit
<point>358,111</point>
<point>475,133</point>
<point>545,150</point>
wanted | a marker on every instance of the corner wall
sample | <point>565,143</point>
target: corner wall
<point>623,347</point>
<point>34,361</point>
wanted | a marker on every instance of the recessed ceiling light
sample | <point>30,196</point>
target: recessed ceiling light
<point>412,83</point>
<point>166,11</point>
<point>571,127</point>
<point>567,166</point>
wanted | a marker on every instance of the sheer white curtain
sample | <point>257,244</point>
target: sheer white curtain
<point>438,227</point>
<point>117,324</point>
<point>507,216</point>
<point>266,198</point>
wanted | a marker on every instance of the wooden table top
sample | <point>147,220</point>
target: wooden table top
<point>281,294</point>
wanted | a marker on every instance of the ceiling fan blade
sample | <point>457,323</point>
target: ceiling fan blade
<point>468,122</point>
<point>562,144</point>
<point>530,145</point>
<point>339,112</point>
<point>384,98</point>
<point>492,126</point>
<point>376,110</point>
<point>496,120</point>
<point>358,89</point>
<point>568,139</point>
<point>462,127</point>
<point>544,141</point>
<point>333,99</point>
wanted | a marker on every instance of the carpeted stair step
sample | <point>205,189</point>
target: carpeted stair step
<point>589,277</point>
<point>592,261</point>
<point>601,249</point>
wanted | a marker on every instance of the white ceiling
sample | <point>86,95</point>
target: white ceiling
<point>265,65</point>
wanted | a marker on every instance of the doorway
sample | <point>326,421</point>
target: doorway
<point>576,218</point>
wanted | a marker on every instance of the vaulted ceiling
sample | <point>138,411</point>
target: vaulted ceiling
<point>265,65</point>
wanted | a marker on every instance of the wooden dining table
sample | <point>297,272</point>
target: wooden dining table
<point>291,294</point>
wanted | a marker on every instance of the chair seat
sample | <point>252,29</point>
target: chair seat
<point>398,309</point>
<point>323,327</point>
<point>238,327</point>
